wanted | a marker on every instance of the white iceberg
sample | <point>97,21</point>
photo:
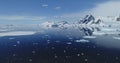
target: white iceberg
<point>82,41</point>
<point>118,38</point>
<point>99,33</point>
<point>17,33</point>
<point>90,37</point>
<point>69,43</point>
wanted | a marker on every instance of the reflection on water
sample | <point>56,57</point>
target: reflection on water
<point>74,44</point>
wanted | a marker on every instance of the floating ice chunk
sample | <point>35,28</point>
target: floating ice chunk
<point>118,38</point>
<point>82,54</point>
<point>30,60</point>
<point>11,38</point>
<point>78,54</point>
<point>35,43</point>
<point>17,33</point>
<point>14,54</point>
<point>64,51</point>
<point>108,29</point>
<point>53,48</point>
<point>98,33</point>
<point>56,56</point>
<point>105,33</point>
<point>18,42</point>
<point>57,41</point>
<point>70,38</point>
<point>14,45</point>
<point>91,37</point>
<point>69,43</point>
<point>46,35</point>
<point>98,54</point>
<point>82,40</point>
<point>116,58</point>
<point>86,59</point>
<point>33,52</point>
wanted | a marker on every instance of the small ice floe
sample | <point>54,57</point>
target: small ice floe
<point>56,56</point>
<point>70,38</point>
<point>64,51</point>
<point>18,42</point>
<point>118,38</point>
<point>69,43</point>
<point>14,45</point>
<point>30,60</point>
<point>82,41</point>
<point>11,38</point>
<point>4,30</point>
<point>90,37</point>
<point>52,47</point>
<point>57,41</point>
<point>86,60</point>
<point>98,33</point>
<point>108,29</point>
<point>106,33</point>
<point>33,52</point>
<point>46,35</point>
<point>82,54</point>
<point>14,54</point>
<point>35,43</point>
<point>17,33</point>
<point>78,54</point>
<point>48,40</point>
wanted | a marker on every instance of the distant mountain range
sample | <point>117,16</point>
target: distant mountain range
<point>89,20</point>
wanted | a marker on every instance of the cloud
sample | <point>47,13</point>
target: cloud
<point>58,8</point>
<point>109,8</point>
<point>14,17</point>
<point>44,5</point>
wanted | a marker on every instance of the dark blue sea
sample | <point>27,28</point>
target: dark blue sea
<point>59,46</point>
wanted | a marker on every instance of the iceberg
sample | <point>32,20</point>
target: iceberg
<point>82,41</point>
<point>90,37</point>
<point>17,33</point>
<point>118,38</point>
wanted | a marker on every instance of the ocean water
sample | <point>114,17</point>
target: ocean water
<point>56,45</point>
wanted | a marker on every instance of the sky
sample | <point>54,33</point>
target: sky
<point>37,11</point>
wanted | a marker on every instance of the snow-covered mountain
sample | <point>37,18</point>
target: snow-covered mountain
<point>98,21</point>
<point>90,20</point>
<point>60,24</point>
<point>47,24</point>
